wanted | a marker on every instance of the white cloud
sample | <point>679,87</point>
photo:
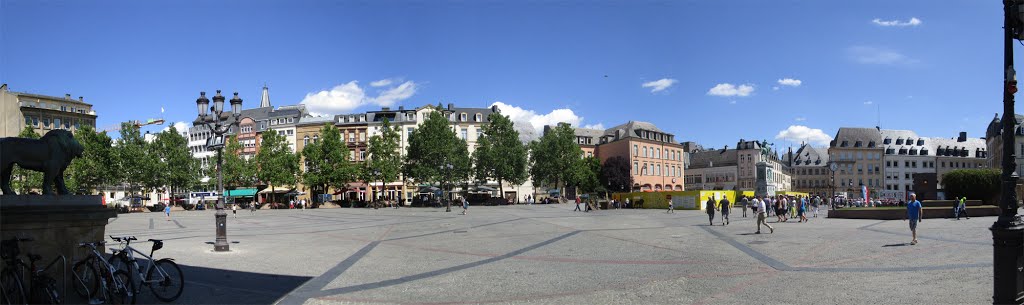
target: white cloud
<point>868,103</point>
<point>594,126</point>
<point>775,88</point>
<point>381,83</point>
<point>727,89</point>
<point>877,56</point>
<point>659,85</point>
<point>887,23</point>
<point>790,82</point>
<point>530,124</point>
<point>179,126</point>
<point>801,119</point>
<point>396,94</point>
<point>800,133</point>
<point>348,96</point>
<point>732,102</point>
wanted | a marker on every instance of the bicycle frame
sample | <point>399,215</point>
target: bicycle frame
<point>108,271</point>
<point>130,252</point>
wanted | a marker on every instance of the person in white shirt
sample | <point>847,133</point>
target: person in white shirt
<point>761,208</point>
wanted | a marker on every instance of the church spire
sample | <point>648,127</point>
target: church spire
<point>265,100</point>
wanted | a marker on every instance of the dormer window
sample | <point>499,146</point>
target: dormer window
<point>903,151</point>
<point>887,141</point>
<point>844,144</point>
<point>462,117</point>
<point>924,152</point>
<point>899,141</point>
<point>857,144</point>
<point>478,118</point>
<point>871,144</point>
<point>920,142</point>
<point>913,151</point>
<point>889,151</point>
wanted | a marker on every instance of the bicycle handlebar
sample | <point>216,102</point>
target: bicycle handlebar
<point>92,244</point>
<point>123,238</point>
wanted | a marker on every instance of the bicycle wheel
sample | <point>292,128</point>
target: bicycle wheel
<point>168,283</point>
<point>122,289</point>
<point>120,261</point>
<point>44,290</point>
<point>85,279</point>
<point>12,288</point>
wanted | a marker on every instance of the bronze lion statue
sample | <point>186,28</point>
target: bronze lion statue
<point>50,155</point>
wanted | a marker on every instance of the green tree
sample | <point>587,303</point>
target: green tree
<point>499,154</point>
<point>615,174</point>
<point>97,166</point>
<point>135,167</point>
<point>277,164</point>
<point>385,163</point>
<point>178,169</point>
<point>586,175</point>
<point>432,149</point>
<point>238,172</point>
<point>26,180</point>
<point>326,162</point>
<point>980,184</point>
<point>554,157</point>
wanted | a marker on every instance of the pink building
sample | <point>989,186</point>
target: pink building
<point>656,159</point>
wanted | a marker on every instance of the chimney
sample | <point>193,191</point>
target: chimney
<point>962,137</point>
<point>790,153</point>
<point>400,108</point>
<point>80,99</point>
<point>494,108</point>
<point>385,108</point>
<point>879,128</point>
<point>451,106</point>
<point>67,96</point>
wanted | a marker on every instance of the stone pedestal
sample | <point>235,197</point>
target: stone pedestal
<point>56,224</point>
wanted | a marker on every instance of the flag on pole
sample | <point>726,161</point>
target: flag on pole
<point>867,198</point>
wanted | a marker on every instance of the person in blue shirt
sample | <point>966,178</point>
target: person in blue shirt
<point>914,213</point>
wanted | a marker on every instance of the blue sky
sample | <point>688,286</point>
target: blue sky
<point>933,67</point>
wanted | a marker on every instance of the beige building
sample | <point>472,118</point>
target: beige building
<point>42,112</point>
<point>994,143</point>
<point>858,154</point>
<point>657,160</point>
<point>959,153</point>
<point>712,170</point>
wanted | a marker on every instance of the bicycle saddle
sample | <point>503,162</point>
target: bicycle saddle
<point>157,244</point>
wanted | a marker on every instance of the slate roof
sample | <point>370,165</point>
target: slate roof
<point>715,158</point>
<point>995,128</point>
<point>586,132</point>
<point>809,156</point>
<point>851,135</point>
<point>948,147</point>
<point>632,129</point>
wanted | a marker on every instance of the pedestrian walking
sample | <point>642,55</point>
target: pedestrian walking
<point>814,205</point>
<point>726,206</point>
<point>761,210</point>
<point>252,208</point>
<point>961,208</point>
<point>914,212</point>
<point>465,206</point>
<point>710,207</point>
<point>577,205</point>
<point>167,212</point>
<point>671,205</point>
<point>801,209</point>
<point>234,210</point>
<point>745,202</point>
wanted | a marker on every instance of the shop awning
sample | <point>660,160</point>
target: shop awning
<point>246,192</point>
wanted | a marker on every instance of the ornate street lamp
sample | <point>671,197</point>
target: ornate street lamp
<point>832,166</point>
<point>217,122</point>
<point>1008,230</point>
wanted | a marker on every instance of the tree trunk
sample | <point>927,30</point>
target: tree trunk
<point>501,189</point>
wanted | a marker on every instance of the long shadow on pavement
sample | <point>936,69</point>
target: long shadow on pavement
<point>220,286</point>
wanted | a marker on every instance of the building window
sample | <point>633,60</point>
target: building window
<point>478,117</point>
<point>645,151</point>
<point>46,122</point>
<point>635,151</point>
<point>479,133</point>
<point>636,168</point>
<point>462,117</point>
<point>408,132</point>
<point>464,133</point>
<point>305,140</point>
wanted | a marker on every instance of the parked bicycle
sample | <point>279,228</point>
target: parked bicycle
<point>163,276</point>
<point>41,288</point>
<point>114,286</point>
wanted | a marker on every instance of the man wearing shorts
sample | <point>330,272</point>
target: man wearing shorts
<point>914,213</point>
